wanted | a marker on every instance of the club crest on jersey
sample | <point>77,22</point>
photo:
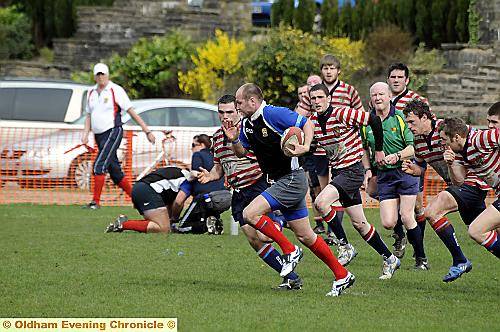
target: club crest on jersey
<point>106,100</point>
<point>394,129</point>
<point>264,132</point>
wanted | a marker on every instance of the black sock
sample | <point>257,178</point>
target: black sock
<point>335,224</point>
<point>398,229</point>
<point>375,241</point>
<point>447,235</point>
<point>415,239</point>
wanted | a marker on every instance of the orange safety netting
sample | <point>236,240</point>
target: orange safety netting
<point>52,166</point>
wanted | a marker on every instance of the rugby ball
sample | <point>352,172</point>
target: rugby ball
<point>291,136</point>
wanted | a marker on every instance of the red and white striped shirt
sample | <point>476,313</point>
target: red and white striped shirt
<point>341,139</point>
<point>430,148</point>
<point>240,172</point>
<point>342,95</point>
<point>404,97</point>
<point>481,154</point>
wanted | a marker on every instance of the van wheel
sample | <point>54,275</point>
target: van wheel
<point>80,173</point>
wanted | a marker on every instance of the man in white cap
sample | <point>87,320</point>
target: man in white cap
<point>106,103</point>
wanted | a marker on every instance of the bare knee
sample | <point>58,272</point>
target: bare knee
<point>250,216</point>
<point>475,233</point>
<point>321,205</point>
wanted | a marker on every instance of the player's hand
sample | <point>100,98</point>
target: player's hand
<point>203,176</point>
<point>368,176</point>
<point>230,130</point>
<point>85,138</point>
<point>449,155</point>
<point>151,138</point>
<point>380,157</point>
<point>296,149</point>
<point>410,168</point>
<point>391,159</point>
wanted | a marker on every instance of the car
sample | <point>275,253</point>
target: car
<point>41,101</point>
<point>59,158</point>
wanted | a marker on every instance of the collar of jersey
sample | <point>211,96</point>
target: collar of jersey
<point>107,87</point>
<point>259,111</point>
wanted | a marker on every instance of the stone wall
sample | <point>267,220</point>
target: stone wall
<point>469,85</point>
<point>104,30</point>
<point>15,68</point>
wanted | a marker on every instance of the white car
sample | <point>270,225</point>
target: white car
<point>58,157</point>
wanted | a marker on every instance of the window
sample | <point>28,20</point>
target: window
<point>7,103</point>
<point>196,117</point>
<point>155,117</point>
<point>33,104</point>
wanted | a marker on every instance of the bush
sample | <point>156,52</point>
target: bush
<point>214,65</point>
<point>386,45</point>
<point>150,67</point>
<point>15,34</point>
<point>47,55</point>
<point>423,65</point>
<point>282,61</point>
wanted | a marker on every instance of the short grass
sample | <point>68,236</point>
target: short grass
<point>57,262</point>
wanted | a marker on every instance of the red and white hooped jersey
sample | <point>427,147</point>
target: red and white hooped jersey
<point>240,172</point>
<point>341,140</point>
<point>402,99</point>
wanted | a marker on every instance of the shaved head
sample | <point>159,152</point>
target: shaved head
<point>313,80</point>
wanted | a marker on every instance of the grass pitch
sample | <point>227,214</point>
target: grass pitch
<point>57,262</point>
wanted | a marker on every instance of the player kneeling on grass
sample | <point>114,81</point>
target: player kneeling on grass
<point>153,196</point>
<point>245,177</point>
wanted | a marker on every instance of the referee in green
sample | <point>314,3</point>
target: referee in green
<point>396,188</point>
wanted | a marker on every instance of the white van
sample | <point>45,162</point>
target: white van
<point>44,101</point>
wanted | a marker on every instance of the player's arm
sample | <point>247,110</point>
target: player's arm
<point>378,133</point>
<point>416,169</point>
<point>406,153</point>
<point>367,166</point>
<point>216,173</point>
<point>86,129</point>
<point>239,142</point>
<point>456,169</point>
<point>308,129</point>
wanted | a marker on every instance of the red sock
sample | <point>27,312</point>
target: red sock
<point>136,225</point>
<point>98,185</point>
<point>266,226</point>
<point>323,252</point>
<point>125,185</point>
<point>420,218</point>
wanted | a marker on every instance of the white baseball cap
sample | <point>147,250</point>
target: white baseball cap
<point>101,68</point>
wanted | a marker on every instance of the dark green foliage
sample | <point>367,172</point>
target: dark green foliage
<point>276,13</point>
<point>451,32</point>
<point>279,62</point>
<point>330,17</point>
<point>15,36</point>
<point>386,45</point>
<point>150,67</point>
<point>345,20</point>
<point>54,18</point>
<point>304,15</point>
<point>461,24</point>
<point>423,21</point>
<point>439,12</point>
<point>288,8</point>
<point>405,15</point>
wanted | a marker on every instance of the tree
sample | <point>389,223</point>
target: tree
<point>15,37</point>
<point>406,15</point>
<point>439,9</point>
<point>330,17</point>
<point>288,8</point>
<point>345,20</point>
<point>304,15</point>
<point>462,22</point>
<point>276,13</point>
<point>423,21</point>
<point>451,32</point>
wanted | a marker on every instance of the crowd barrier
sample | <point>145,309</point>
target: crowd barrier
<point>49,165</point>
